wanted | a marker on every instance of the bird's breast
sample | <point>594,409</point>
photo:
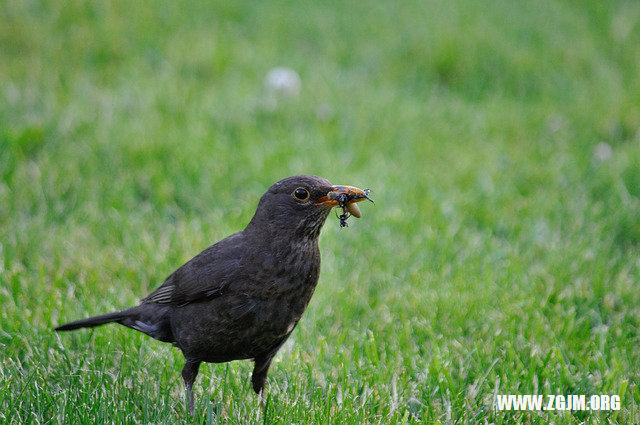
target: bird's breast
<point>288,277</point>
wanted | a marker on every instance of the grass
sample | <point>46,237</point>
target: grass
<point>501,255</point>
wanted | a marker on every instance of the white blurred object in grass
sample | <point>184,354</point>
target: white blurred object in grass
<point>602,151</point>
<point>282,83</point>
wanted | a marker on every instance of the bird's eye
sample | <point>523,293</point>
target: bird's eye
<point>301,194</point>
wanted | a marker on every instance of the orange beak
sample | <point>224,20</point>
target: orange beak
<point>345,196</point>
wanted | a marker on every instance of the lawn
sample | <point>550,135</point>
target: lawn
<point>502,143</point>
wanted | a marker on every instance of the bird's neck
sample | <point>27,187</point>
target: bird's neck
<point>276,226</point>
<point>278,237</point>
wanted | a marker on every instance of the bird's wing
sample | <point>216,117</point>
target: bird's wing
<point>207,275</point>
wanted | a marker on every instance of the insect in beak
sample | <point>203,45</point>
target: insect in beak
<point>345,197</point>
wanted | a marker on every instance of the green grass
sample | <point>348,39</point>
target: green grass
<point>502,255</point>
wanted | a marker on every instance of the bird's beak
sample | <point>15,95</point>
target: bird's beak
<point>345,195</point>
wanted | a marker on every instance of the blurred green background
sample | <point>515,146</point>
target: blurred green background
<point>501,140</point>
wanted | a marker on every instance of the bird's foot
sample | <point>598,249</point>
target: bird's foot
<point>189,401</point>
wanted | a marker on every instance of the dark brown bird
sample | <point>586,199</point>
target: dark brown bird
<point>242,297</point>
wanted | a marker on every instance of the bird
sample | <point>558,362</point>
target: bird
<point>242,297</point>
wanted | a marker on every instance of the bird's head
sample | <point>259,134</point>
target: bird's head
<point>299,205</point>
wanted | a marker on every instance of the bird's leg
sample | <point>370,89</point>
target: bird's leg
<point>259,376</point>
<point>261,399</point>
<point>189,373</point>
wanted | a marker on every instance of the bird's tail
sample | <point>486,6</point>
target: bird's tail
<point>151,319</point>
<point>90,322</point>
